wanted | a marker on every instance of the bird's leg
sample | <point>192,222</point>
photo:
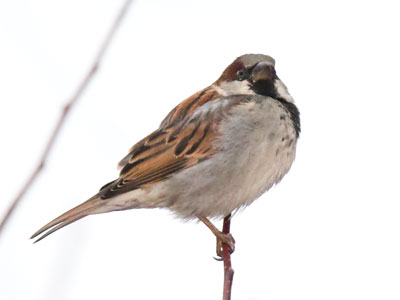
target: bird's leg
<point>225,238</point>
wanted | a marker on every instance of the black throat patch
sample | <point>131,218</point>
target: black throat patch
<point>267,88</point>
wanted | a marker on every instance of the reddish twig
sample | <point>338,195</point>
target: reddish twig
<point>226,256</point>
<point>80,89</point>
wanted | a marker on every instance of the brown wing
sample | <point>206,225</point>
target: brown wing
<point>182,141</point>
<point>189,105</point>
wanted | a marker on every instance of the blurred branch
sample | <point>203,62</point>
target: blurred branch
<point>75,97</point>
<point>226,256</point>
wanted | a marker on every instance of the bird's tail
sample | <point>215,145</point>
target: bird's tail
<point>86,208</point>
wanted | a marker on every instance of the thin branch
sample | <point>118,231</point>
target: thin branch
<point>226,256</point>
<point>76,95</point>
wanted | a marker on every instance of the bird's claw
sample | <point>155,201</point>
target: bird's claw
<point>227,239</point>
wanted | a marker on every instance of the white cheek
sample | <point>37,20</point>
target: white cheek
<point>282,91</point>
<point>234,88</point>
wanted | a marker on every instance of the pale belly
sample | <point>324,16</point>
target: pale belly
<point>258,145</point>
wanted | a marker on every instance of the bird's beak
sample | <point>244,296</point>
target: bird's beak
<point>263,71</point>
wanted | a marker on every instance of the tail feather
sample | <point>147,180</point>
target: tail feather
<point>78,212</point>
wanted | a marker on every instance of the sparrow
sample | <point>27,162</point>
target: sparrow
<point>214,153</point>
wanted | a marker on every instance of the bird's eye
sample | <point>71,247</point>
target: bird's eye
<point>241,74</point>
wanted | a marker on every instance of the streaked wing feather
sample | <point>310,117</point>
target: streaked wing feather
<point>188,106</point>
<point>173,119</point>
<point>153,162</point>
<point>183,140</point>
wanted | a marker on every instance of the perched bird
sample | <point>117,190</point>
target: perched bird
<point>217,151</point>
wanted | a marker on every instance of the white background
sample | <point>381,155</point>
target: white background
<point>329,230</point>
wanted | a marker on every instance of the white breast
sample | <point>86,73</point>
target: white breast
<point>257,145</point>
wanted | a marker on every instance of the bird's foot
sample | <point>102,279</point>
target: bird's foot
<point>222,238</point>
<point>227,239</point>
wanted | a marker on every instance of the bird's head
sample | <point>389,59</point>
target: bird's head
<point>252,74</point>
